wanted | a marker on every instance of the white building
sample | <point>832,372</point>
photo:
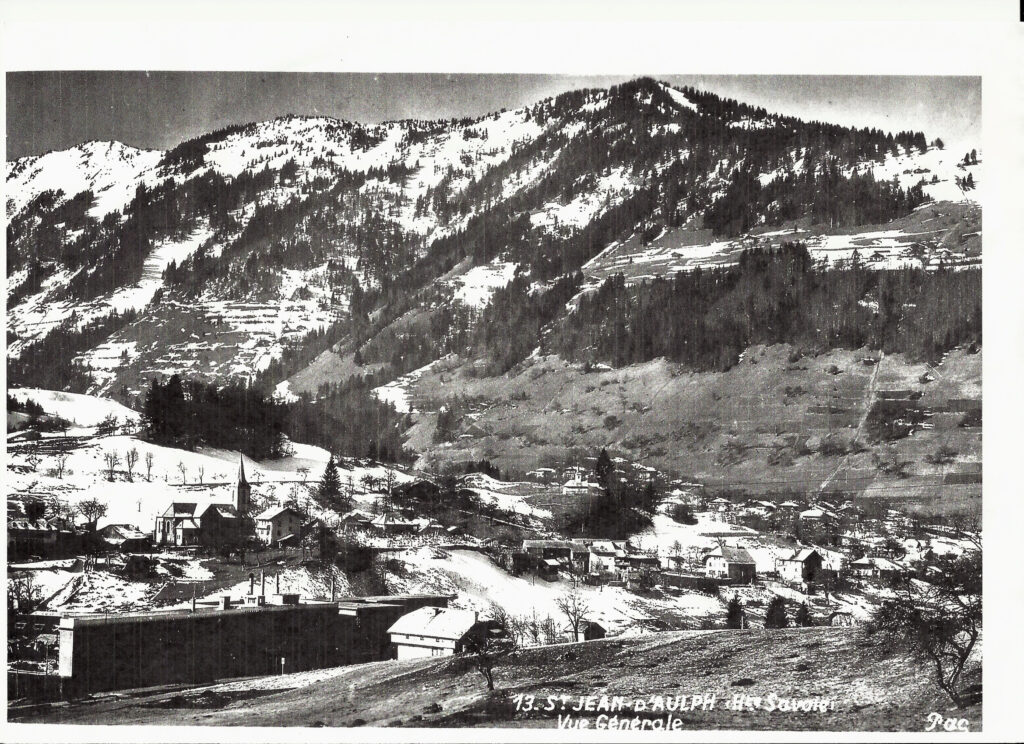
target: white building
<point>437,631</point>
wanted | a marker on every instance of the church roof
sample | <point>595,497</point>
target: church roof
<point>241,470</point>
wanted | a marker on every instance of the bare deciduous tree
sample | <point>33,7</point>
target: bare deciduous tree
<point>575,608</point>
<point>92,509</point>
<point>149,465</point>
<point>130,458</point>
<point>62,461</point>
<point>181,467</point>
<point>200,472</point>
<point>112,459</point>
<point>939,619</point>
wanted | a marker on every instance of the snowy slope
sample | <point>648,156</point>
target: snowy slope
<point>110,170</point>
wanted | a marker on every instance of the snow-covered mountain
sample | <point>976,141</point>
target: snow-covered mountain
<point>218,256</point>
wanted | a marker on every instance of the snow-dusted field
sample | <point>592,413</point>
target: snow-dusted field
<point>478,583</point>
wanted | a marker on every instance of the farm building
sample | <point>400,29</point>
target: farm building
<point>548,548</point>
<point>42,538</point>
<point>126,538</point>
<point>735,564</point>
<point>438,631</point>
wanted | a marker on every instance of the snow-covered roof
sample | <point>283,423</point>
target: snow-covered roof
<point>227,511</point>
<point>275,511</point>
<point>732,555</point>
<point>802,555</point>
<point>436,622</point>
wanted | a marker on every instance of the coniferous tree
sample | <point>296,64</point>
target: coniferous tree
<point>329,488</point>
<point>734,615</point>
<point>603,469</point>
<point>775,616</point>
<point>803,616</point>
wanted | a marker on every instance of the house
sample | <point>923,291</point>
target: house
<point>549,549</point>
<point>191,523</point>
<point>579,487</point>
<point>357,520</point>
<point>389,525</point>
<point>548,568</point>
<point>735,564</point>
<point>602,557</point>
<point>126,538</point>
<point>875,567</point>
<point>278,523</point>
<point>720,505</point>
<point>802,566</point>
<point>439,631</point>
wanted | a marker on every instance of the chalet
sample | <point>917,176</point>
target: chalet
<point>549,549</point>
<point>191,523</point>
<point>439,631</point>
<point>817,515</point>
<point>638,561</point>
<point>125,538</point>
<point>735,564</point>
<point>720,505</point>
<point>802,566</point>
<point>278,523</point>
<point>876,567</point>
<point>388,525</point>
<point>357,520</point>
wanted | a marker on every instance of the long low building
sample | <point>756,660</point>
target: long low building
<point>111,652</point>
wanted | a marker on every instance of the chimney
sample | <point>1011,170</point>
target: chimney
<point>252,583</point>
<point>263,581</point>
<point>277,583</point>
<point>332,587</point>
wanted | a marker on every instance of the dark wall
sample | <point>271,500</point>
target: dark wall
<point>144,650</point>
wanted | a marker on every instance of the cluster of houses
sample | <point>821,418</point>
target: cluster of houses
<point>391,525</point>
<point>591,558</point>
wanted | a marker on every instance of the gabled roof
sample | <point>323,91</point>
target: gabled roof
<point>276,511</point>
<point>802,555</point>
<point>225,511</point>
<point>180,509</point>
<point>738,556</point>
<point>436,622</point>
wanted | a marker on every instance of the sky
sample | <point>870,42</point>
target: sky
<point>56,110</point>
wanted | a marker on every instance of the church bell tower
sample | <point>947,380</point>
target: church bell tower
<point>243,490</point>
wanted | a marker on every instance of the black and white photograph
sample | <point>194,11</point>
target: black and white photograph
<point>581,403</point>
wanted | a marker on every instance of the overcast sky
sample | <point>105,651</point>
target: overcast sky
<point>56,110</point>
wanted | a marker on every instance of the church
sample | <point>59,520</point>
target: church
<point>209,523</point>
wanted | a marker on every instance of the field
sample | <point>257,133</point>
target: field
<point>872,688</point>
<point>776,421</point>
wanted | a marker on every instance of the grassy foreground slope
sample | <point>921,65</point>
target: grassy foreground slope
<point>872,689</point>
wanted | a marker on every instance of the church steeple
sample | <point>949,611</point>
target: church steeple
<point>243,490</point>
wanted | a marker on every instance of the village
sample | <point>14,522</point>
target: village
<point>394,563</point>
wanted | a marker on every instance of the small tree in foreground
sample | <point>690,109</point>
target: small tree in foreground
<point>91,510</point>
<point>487,649</point>
<point>775,616</point>
<point>940,621</point>
<point>734,616</point>
<point>803,616</point>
